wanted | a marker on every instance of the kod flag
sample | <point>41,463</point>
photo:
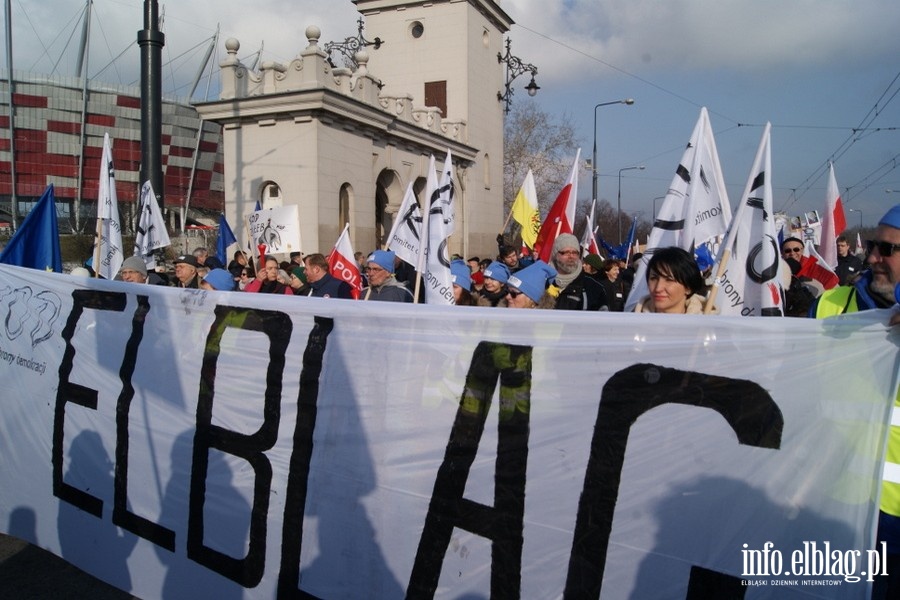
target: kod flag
<point>405,239</point>
<point>108,253</point>
<point>151,232</point>
<point>748,280</point>
<point>436,275</point>
<point>695,209</point>
<point>342,264</point>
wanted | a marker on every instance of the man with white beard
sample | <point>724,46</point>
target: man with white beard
<point>574,289</point>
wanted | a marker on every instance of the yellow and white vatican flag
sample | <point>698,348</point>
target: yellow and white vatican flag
<point>525,210</point>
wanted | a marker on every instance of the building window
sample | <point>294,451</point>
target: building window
<point>416,29</point>
<point>270,195</point>
<point>486,165</point>
<point>436,95</point>
<point>344,205</point>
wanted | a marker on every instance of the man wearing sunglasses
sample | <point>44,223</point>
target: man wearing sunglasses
<point>792,248</point>
<point>875,288</point>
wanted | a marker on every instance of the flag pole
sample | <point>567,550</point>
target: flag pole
<point>96,260</point>
<point>506,223</point>
<point>714,290</point>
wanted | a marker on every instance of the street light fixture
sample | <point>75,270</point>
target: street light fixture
<point>619,200</point>
<point>628,101</point>
<point>514,68</point>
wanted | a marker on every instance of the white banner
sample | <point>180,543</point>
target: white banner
<point>250,445</point>
<point>276,228</point>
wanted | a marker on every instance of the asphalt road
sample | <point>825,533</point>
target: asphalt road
<point>31,573</point>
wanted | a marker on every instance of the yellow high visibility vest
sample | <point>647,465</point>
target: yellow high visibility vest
<point>838,301</point>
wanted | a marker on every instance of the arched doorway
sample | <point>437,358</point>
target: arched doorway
<point>388,195</point>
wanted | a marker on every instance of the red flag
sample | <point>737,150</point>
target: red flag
<point>343,266</point>
<point>561,217</point>
<point>833,221</point>
<point>814,267</point>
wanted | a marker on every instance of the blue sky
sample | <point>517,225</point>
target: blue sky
<point>814,68</point>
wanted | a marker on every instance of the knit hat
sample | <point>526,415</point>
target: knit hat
<point>384,259</point>
<point>134,263</point>
<point>892,218</point>
<point>533,279</point>
<point>220,279</point>
<point>462,274</point>
<point>497,271</point>
<point>594,260</point>
<point>565,240</point>
<point>300,273</point>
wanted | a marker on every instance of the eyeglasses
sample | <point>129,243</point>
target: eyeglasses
<point>795,249</point>
<point>568,252</point>
<point>884,248</point>
<point>514,293</point>
<point>373,269</point>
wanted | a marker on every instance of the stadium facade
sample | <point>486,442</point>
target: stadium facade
<point>58,139</point>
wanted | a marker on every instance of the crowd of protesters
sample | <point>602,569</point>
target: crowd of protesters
<point>570,280</point>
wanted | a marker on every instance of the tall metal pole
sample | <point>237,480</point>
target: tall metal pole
<point>151,40</point>
<point>82,71</point>
<point>619,200</point>
<point>14,202</point>
<point>594,157</point>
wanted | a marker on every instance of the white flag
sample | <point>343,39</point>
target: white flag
<point>588,241</point>
<point>750,284</point>
<point>436,229</point>
<point>405,237</point>
<point>108,254</point>
<point>696,207</point>
<point>151,232</point>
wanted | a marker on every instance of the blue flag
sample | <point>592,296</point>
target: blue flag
<point>36,243</point>
<point>226,238</point>
<point>621,251</point>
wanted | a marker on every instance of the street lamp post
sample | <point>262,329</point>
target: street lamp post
<point>619,198</point>
<point>654,206</point>
<point>860,216</point>
<point>628,101</point>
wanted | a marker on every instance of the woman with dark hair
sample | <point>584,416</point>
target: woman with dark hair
<point>675,284</point>
<point>613,285</point>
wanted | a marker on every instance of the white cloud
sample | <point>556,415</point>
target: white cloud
<point>690,35</point>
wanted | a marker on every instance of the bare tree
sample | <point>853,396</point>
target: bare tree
<point>538,141</point>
